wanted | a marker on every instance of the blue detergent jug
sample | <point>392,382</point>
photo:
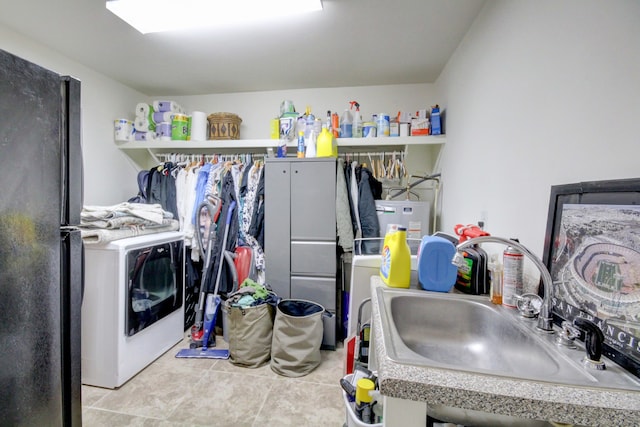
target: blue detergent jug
<point>436,272</point>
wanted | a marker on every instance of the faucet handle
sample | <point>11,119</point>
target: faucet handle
<point>528,304</point>
<point>567,334</point>
<point>594,339</point>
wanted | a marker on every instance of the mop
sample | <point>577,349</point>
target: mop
<point>211,310</point>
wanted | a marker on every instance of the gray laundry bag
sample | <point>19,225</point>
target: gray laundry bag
<point>297,337</point>
<point>250,332</point>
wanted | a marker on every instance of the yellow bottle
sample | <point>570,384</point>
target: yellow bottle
<point>324,144</point>
<point>395,268</point>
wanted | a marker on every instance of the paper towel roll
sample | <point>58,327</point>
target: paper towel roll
<point>164,106</point>
<point>198,126</point>
<point>143,109</point>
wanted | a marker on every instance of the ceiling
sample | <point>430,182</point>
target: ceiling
<point>349,43</point>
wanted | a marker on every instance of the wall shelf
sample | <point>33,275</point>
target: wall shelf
<point>145,153</point>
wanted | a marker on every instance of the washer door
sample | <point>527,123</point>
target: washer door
<point>154,289</point>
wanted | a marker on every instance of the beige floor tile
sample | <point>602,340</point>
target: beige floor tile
<point>224,399</point>
<point>91,395</point>
<point>100,418</point>
<point>299,403</point>
<point>154,392</point>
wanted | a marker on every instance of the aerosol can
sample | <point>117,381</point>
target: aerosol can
<point>512,276</point>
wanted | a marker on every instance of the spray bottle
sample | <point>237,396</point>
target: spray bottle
<point>356,128</point>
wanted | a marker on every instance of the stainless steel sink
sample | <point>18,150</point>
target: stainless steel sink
<point>469,333</point>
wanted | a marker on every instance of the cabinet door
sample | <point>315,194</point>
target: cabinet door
<point>313,200</point>
<point>321,290</point>
<point>277,250</point>
<point>313,257</point>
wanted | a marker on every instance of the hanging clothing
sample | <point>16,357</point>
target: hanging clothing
<point>250,200</point>
<point>227,195</point>
<point>367,209</point>
<point>343,210</point>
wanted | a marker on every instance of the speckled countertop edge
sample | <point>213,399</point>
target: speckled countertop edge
<point>519,398</point>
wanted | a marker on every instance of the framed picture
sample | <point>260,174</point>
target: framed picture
<point>592,250</point>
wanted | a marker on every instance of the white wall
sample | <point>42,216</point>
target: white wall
<point>109,176</point>
<point>538,93</point>
<point>257,108</point>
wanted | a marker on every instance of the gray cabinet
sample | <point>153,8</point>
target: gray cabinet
<point>300,232</point>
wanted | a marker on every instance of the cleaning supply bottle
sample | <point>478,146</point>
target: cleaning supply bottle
<point>301,144</point>
<point>364,401</point>
<point>335,125</point>
<point>395,269</point>
<point>325,143</point>
<point>495,277</point>
<point>310,135</point>
<point>346,124</point>
<point>356,128</point>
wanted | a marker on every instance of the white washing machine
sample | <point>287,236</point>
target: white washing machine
<point>133,305</point>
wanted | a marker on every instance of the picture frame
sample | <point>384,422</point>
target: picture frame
<point>592,251</point>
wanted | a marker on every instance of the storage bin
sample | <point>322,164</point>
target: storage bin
<point>250,334</point>
<point>297,337</point>
<point>224,126</point>
<point>352,418</point>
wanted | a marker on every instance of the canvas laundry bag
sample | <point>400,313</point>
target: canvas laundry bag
<point>297,337</point>
<point>250,332</point>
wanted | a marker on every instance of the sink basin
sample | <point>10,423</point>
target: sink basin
<point>469,333</point>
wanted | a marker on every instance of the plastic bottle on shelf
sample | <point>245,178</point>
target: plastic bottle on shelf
<point>346,124</point>
<point>301,144</point>
<point>325,143</point>
<point>356,128</point>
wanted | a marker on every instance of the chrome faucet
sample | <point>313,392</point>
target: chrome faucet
<point>545,317</point>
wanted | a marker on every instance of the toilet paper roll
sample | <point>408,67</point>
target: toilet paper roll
<point>123,129</point>
<point>198,126</point>
<point>164,106</point>
<point>163,116</point>
<point>144,125</point>
<point>143,109</point>
<point>164,131</point>
<point>145,136</point>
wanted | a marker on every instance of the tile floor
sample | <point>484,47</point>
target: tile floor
<point>207,392</point>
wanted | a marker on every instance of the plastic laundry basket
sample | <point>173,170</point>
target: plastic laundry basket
<point>297,337</point>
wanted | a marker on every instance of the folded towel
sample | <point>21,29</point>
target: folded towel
<point>101,236</point>
<point>151,212</point>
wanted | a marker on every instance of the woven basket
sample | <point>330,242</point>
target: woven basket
<point>224,126</point>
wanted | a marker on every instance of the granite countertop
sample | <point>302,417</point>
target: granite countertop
<point>518,398</point>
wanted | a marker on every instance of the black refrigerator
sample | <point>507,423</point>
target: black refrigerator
<point>41,257</point>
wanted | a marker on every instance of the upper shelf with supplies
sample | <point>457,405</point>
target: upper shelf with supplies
<point>146,153</point>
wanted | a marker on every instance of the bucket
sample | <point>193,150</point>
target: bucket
<point>352,418</point>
